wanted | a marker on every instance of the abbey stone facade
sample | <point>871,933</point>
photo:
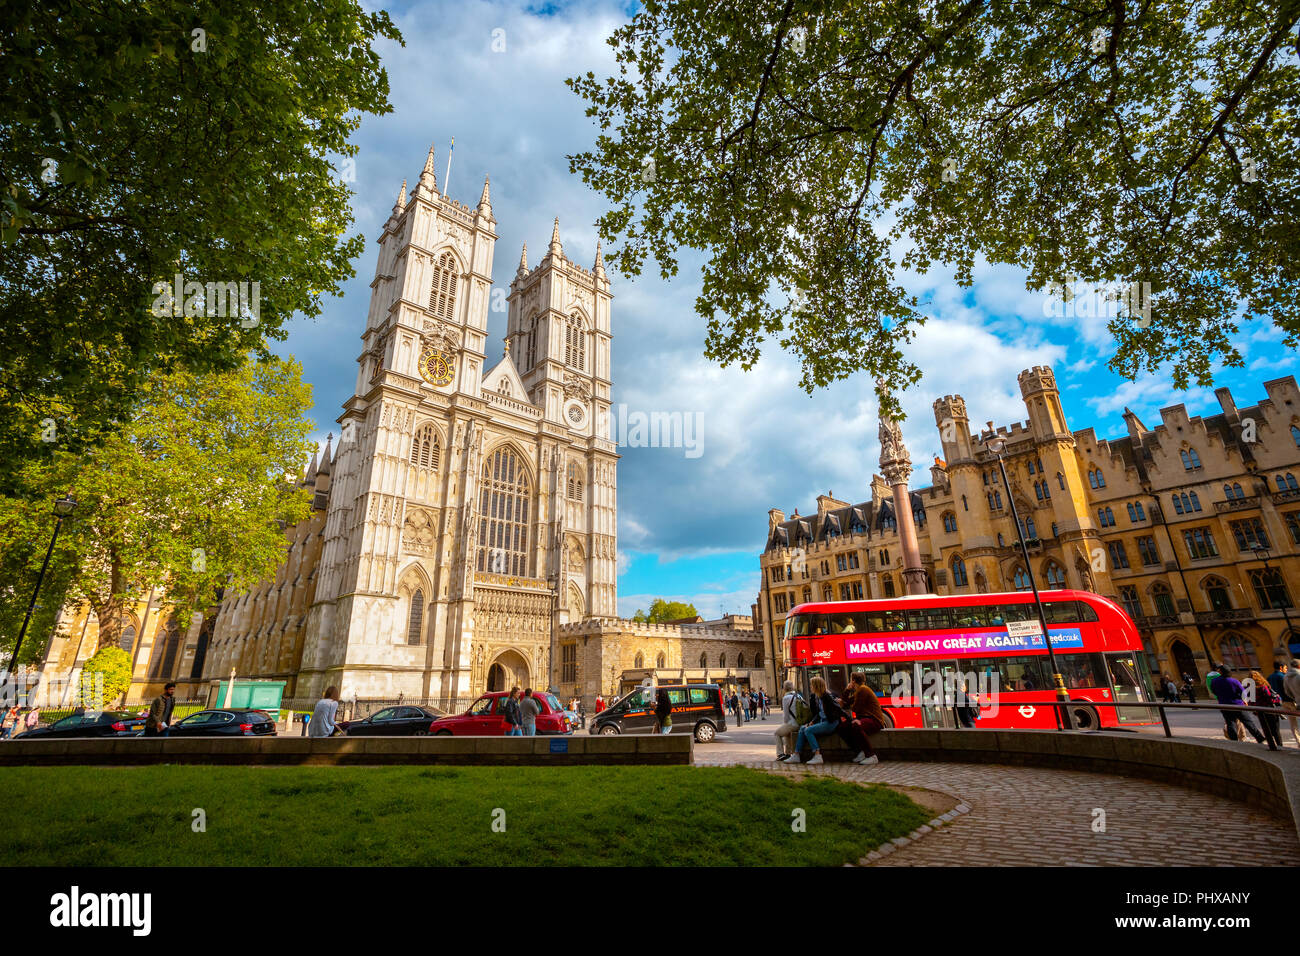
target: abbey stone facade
<point>468,510</point>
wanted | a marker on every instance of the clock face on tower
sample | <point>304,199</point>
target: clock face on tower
<point>436,367</point>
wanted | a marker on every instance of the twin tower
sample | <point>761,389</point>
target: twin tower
<point>471,510</point>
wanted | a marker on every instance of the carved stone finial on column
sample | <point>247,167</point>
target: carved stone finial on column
<point>895,463</point>
<point>896,466</point>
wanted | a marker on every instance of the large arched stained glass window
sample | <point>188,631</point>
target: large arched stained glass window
<point>505,509</point>
<point>127,640</point>
<point>442,295</point>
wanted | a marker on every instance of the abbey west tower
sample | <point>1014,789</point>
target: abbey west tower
<point>470,511</point>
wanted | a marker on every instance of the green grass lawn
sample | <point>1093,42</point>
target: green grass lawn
<point>440,816</point>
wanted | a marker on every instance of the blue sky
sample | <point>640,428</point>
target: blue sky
<point>691,528</point>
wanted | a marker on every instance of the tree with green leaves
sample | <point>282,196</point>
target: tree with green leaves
<point>145,139</point>
<point>814,150</point>
<point>662,611</point>
<point>190,496</point>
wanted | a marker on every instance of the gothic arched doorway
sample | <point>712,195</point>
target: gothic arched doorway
<point>1184,662</point>
<point>508,670</point>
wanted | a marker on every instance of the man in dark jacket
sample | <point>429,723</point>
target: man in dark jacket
<point>160,712</point>
<point>510,710</point>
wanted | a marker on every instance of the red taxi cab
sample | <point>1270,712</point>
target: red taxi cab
<point>485,719</point>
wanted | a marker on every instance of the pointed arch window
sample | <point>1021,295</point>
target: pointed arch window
<point>127,640</point>
<point>704,659</point>
<point>659,661</point>
<point>959,572</point>
<point>575,342</point>
<point>574,484</point>
<point>1021,580</point>
<point>442,295</point>
<point>740,660</point>
<point>1164,600</point>
<point>722,660</point>
<point>1216,589</point>
<point>505,511</point>
<point>425,449</point>
<point>415,620</point>
<point>1286,482</point>
<point>638,661</point>
<point>1191,460</point>
<point>530,345</point>
<point>1055,576</point>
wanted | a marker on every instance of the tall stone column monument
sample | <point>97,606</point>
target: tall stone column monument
<point>896,466</point>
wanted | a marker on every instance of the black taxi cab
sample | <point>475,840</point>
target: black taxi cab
<point>697,709</point>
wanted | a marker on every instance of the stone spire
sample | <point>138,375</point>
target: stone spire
<point>428,179</point>
<point>555,248</point>
<point>401,200</point>
<point>896,465</point>
<point>599,267</point>
<point>523,261</point>
<point>485,201</point>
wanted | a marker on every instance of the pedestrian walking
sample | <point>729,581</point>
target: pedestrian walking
<point>160,712</point>
<point>663,712</point>
<point>322,715</point>
<point>1291,687</point>
<point>740,710</point>
<point>790,724</point>
<point>1265,696</point>
<point>8,723</point>
<point>528,710</point>
<point>510,710</point>
<point>1189,688</point>
<point>600,703</point>
<point>1227,691</point>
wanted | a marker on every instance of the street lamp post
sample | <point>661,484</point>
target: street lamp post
<point>1262,552</point>
<point>63,507</point>
<point>997,445</point>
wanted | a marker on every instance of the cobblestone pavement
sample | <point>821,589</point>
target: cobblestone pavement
<point>1026,816</point>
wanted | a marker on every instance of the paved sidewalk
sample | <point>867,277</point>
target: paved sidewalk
<point>1030,816</point>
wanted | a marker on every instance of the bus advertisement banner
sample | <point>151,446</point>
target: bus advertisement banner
<point>968,644</point>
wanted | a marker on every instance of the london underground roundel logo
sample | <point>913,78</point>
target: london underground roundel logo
<point>1027,711</point>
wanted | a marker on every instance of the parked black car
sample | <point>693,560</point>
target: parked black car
<point>403,721</point>
<point>91,723</point>
<point>224,723</point>
<point>697,709</point>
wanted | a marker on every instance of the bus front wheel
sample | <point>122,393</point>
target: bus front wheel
<point>1084,718</point>
<point>888,723</point>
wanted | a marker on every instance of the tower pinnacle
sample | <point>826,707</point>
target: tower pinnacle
<point>428,179</point>
<point>555,248</point>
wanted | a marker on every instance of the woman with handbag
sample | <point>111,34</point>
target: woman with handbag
<point>1271,724</point>
<point>826,716</point>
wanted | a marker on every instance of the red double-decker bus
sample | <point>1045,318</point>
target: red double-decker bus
<point>916,650</point>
